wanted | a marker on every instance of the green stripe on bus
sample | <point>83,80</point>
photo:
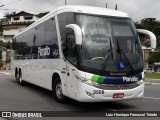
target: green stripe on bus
<point>101,79</point>
<point>97,78</point>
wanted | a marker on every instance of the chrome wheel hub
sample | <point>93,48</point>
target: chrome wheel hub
<point>59,91</point>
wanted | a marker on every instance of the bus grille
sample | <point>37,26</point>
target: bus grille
<point>117,87</point>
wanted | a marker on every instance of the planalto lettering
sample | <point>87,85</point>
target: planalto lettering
<point>132,79</point>
<point>43,51</point>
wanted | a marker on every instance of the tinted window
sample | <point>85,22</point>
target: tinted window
<point>51,41</point>
<point>63,20</point>
<point>51,34</point>
<point>70,47</point>
<point>39,42</point>
<point>40,34</point>
<point>21,47</point>
<point>31,37</point>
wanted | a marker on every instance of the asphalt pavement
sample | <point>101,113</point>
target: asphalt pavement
<point>14,97</point>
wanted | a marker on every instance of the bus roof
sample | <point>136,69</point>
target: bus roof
<point>93,10</point>
<point>79,9</point>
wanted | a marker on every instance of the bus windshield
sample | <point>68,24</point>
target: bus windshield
<point>109,44</point>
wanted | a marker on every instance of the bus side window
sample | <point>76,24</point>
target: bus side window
<point>71,47</point>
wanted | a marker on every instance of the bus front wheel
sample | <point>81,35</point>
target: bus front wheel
<point>57,91</point>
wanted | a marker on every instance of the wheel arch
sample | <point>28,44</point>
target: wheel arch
<point>54,76</point>
<point>20,71</point>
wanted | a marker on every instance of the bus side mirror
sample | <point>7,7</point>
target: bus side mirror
<point>151,35</point>
<point>77,31</point>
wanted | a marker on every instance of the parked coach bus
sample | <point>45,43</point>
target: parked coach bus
<point>89,54</point>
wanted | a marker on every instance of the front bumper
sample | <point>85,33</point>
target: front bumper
<point>86,93</point>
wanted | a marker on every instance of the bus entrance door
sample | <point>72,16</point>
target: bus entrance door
<point>71,63</point>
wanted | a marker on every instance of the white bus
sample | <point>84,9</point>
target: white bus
<point>89,54</point>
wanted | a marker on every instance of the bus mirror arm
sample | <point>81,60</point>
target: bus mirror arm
<point>151,35</point>
<point>77,31</point>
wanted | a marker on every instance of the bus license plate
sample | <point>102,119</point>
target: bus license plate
<point>118,95</point>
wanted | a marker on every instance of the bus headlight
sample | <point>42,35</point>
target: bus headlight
<point>140,82</point>
<point>88,82</point>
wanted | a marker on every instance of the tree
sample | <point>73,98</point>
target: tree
<point>19,45</point>
<point>8,15</point>
<point>150,24</point>
<point>154,57</point>
<point>7,45</point>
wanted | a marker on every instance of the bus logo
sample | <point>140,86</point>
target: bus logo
<point>119,87</point>
<point>121,65</point>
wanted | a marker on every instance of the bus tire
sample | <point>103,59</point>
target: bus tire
<point>20,81</point>
<point>57,91</point>
<point>16,75</point>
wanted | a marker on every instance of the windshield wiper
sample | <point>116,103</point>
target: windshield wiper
<point>107,56</point>
<point>119,50</point>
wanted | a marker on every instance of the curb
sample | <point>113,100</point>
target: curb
<point>5,73</point>
<point>151,83</point>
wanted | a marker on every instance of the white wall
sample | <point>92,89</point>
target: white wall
<point>8,38</point>
<point>10,31</point>
<point>4,54</point>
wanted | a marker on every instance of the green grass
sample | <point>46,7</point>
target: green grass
<point>152,75</point>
